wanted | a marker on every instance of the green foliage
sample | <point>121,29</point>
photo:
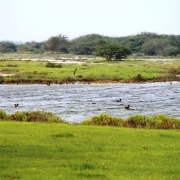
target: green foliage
<point>7,47</point>
<point>86,44</point>
<point>139,78</point>
<point>155,122</point>
<point>53,65</point>
<point>3,115</point>
<point>112,51</point>
<point>135,121</point>
<point>150,48</point>
<point>146,43</point>
<point>11,65</point>
<point>164,122</point>
<point>31,47</point>
<point>104,120</point>
<point>35,116</point>
<point>20,116</point>
<point>170,50</point>
<point>57,44</point>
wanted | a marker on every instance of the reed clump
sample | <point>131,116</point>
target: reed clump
<point>104,120</point>
<point>3,115</point>
<point>53,65</point>
<point>35,116</point>
<point>159,121</point>
<point>136,121</point>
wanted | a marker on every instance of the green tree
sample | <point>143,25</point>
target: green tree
<point>57,43</point>
<point>32,47</point>
<point>150,47</point>
<point>86,44</point>
<point>112,51</point>
<point>170,51</point>
<point>6,47</point>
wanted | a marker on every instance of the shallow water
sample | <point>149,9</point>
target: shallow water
<point>76,102</point>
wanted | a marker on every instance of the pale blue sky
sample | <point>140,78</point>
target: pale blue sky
<point>38,20</point>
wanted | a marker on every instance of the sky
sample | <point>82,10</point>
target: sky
<point>38,20</point>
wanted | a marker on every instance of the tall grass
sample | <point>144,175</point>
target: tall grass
<point>104,120</point>
<point>136,121</point>
<point>32,116</point>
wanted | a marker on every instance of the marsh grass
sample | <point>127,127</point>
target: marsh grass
<point>104,120</point>
<point>3,115</point>
<point>159,121</point>
<point>136,121</point>
<point>65,151</point>
<point>33,116</point>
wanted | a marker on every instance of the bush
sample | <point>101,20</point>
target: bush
<point>35,116</point>
<point>164,122</point>
<point>139,78</point>
<point>53,65</point>
<point>19,116</point>
<point>104,120</point>
<point>155,122</point>
<point>3,115</point>
<point>137,121</point>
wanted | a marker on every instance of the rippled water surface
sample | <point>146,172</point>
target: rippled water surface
<point>76,102</point>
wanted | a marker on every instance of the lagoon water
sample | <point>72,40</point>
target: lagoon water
<point>76,102</point>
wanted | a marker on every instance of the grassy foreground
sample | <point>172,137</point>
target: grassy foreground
<point>65,151</point>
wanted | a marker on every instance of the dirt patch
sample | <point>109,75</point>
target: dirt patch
<point>1,74</point>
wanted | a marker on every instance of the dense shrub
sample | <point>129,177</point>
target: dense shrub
<point>139,78</point>
<point>19,116</point>
<point>104,120</point>
<point>155,122</point>
<point>137,121</point>
<point>53,65</point>
<point>164,122</point>
<point>11,65</point>
<point>3,115</point>
<point>35,116</point>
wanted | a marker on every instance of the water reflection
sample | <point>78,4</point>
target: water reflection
<point>76,102</point>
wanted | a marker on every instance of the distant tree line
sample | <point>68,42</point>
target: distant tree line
<point>145,43</point>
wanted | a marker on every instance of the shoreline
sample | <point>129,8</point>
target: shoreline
<point>84,82</point>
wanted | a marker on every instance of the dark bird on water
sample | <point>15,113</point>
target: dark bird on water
<point>16,105</point>
<point>127,107</point>
<point>74,72</point>
<point>119,100</point>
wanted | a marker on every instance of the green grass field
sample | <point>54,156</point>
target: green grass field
<point>64,151</point>
<point>91,70</point>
